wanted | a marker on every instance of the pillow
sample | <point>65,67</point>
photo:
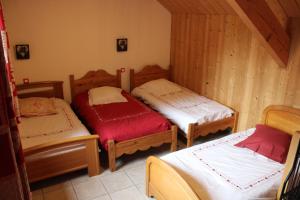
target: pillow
<point>161,87</point>
<point>36,106</point>
<point>269,142</point>
<point>105,95</point>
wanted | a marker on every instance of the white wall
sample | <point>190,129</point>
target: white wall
<point>74,36</point>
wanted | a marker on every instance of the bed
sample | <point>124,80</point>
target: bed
<point>55,144</point>
<point>198,173</point>
<point>123,128</point>
<point>217,117</point>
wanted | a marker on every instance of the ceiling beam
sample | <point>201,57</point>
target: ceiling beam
<point>291,7</point>
<point>260,19</point>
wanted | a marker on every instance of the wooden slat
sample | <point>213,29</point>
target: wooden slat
<point>259,18</point>
<point>41,89</point>
<point>197,6</point>
<point>281,15</point>
<point>291,7</point>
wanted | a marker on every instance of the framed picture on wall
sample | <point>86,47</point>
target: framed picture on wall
<point>22,51</point>
<point>122,44</point>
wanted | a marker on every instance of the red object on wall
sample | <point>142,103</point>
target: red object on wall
<point>25,80</point>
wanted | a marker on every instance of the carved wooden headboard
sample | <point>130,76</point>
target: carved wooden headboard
<point>41,89</point>
<point>148,73</point>
<point>283,118</point>
<point>93,79</point>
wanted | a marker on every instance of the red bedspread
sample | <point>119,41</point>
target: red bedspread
<point>119,121</point>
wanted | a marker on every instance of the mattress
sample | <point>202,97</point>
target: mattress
<point>219,171</point>
<point>184,107</point>
<point>119,121</point>
<point>42,129</point>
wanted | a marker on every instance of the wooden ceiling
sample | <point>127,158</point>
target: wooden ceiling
<point>265,18</point>
<point>197,6</point>
<point>290,7</point>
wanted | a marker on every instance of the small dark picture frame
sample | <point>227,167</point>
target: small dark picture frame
<point>122,44</point>
<point>22,51</point>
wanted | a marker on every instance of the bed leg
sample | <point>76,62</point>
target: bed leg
<point>235,123</point>
<point>93,157</point>
<point>147,177</point>
<point>111,155</point>
<point>190,138</point>
<point>174,138</point>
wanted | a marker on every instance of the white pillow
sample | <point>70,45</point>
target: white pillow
<point>105,95</point>
<point>161,87</point>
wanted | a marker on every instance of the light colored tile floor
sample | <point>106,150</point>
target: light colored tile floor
<point>128,182</point>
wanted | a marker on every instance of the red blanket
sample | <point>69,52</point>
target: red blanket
<point>119,121</point>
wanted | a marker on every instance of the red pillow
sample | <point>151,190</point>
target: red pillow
<point>269,142</point>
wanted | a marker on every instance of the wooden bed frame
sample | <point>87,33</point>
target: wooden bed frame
<point>152,72</point>
<point>58,157</point>
<point>100,78</point>
<point>165,183</point>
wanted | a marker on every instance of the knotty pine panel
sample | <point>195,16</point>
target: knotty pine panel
<point>218,57</point>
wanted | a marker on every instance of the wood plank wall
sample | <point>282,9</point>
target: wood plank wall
<point>217,56</point>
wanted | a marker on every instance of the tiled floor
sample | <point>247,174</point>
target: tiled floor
<point>127,183</point>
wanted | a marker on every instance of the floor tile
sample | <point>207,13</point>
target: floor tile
<point>79,179</point>
<point>142,189</point>
<point>58,186</point>
<point>105,197</point>
<point>37,195</point>
<point>61,194</point>
<point>137,174</point>
<point>89,190</point>
<point>131,193</point>
<point>107,172</point>
<point>131,163</point>
<point>116,181</point>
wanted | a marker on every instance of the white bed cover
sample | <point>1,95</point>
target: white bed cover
<point>42,129</point>
<point>221,171</point>
<point>184,107</point>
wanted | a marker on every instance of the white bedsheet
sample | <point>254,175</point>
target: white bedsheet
<point>42,129</point>
<point>221,171</point>
<point>184,107</point>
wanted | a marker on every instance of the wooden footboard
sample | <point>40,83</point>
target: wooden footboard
<point>56,158</point>
<point>116,150</point>
<point>164,183</point>
<point>195,130</point>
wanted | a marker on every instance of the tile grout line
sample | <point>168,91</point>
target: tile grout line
<point>74,191</point>
<point>118,190</point>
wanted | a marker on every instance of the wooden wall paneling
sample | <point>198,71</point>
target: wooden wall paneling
<point>214,36</point>
<point>239,71</point>
<point>249,81</point>
<point>260,19</point>
<point>187,40</point>
<point>292,95</point>
<point>281,15</point>
<point>291,7</point>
